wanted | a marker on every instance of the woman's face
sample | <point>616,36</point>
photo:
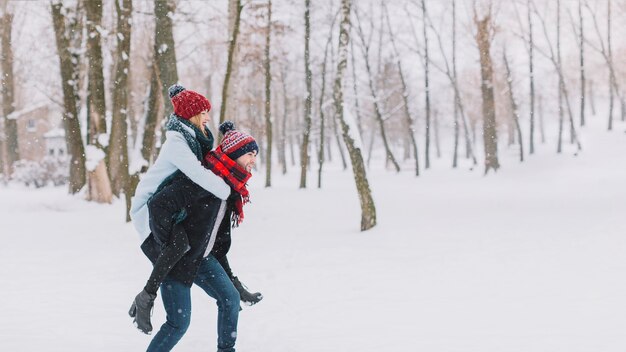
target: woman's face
<point>247,161</point>
<point>201,119</point>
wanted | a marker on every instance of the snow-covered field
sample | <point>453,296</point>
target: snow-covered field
<point>532,258</point>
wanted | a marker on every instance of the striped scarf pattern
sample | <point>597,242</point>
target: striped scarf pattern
<point>234,175</point>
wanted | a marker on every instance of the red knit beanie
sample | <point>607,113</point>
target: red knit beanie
<point>187,103</point>
<point>236,143</point>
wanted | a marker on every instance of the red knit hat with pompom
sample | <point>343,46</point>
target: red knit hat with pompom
<point>187,103</point>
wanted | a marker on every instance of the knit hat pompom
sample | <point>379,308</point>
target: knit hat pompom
<point>226,126</point>
<point>174,90</point>
<point>236,143</point>
<point>187,103</point>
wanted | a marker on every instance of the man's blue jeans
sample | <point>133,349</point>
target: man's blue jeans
<point>176,298</point>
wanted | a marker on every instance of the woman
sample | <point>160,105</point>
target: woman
<point>187,141</point>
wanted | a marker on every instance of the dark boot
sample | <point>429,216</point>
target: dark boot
<point>141,310</point>
<point>246,297</point>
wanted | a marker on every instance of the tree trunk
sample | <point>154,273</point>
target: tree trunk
<point>338,140</point>
<point>531,73</point>
<point>165,50</point>
<point>542,130</point>
<point>153,110</point>
<point>409,120</point>
<point>426,91</point>
<point>230,63</point>
<point>490,137</point>
<point>118,146</point>
<point>320,154</point>
<point>436,128</point>
<point>68,63</point>
<point>304,151</point>
<point>558,50</point>
<point>357,109</point>
<point>368,209</point>
<point>8,93</point>
<point>581,37</point>
<point>592,101</point>
<point>452,77</point>
<point>283,130</point>
<point>268,96</point>
<point>455,155</point>
<point>514,108</point>
<point>99,183</point>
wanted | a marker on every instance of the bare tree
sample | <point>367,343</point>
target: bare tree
<point>368,209</point>
<point>231,54</point>
<point>154,108</point>
<point>165,50</point>
<point>268,95</point>
<point>484,36</point>
<point>581,41</point>
<point>8,91</point>
<point>66,31</point>
<point>556,62</point>
<point>320,154</point>
<point>118,145</point>
<point>426,89</point>
<point>99,185</point>
<point>365,47</point>
<point>282,139</point>
<point>514,108</point>
<point>455,155</point>
<point>304,151</point>
<point>118,152</point>
<point>409,120</point>
<point>450,73</point>
<point>606,51</point>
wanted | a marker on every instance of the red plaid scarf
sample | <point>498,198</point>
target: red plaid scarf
<point>234,175</point>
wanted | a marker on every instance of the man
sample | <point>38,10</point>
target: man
<point>204,222</point>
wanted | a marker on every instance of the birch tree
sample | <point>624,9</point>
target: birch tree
<point>304,151</point>
<point>348,125</point>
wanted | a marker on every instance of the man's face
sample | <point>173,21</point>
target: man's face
<point>247,161</point>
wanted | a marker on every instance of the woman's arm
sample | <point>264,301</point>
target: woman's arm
<point>181,156</point>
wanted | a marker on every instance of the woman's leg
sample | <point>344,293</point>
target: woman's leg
<point>177,302</point>
<point>170,255</point>
<point>214,281</point>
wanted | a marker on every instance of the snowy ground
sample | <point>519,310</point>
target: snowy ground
<point>530,259</point>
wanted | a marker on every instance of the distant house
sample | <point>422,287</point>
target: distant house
<point>33,125</point>
<point>55,142</point>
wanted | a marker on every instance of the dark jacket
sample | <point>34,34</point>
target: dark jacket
<point>198,224</point>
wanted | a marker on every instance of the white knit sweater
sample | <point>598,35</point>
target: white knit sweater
<point>175,155</point>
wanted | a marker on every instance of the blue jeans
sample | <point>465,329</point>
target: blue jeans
<point>176,298</point>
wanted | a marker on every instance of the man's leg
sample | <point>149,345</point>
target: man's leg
<point>177,302</point>
<point>215,282</point>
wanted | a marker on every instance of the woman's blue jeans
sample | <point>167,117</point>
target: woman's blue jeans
<point>176,298</point>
